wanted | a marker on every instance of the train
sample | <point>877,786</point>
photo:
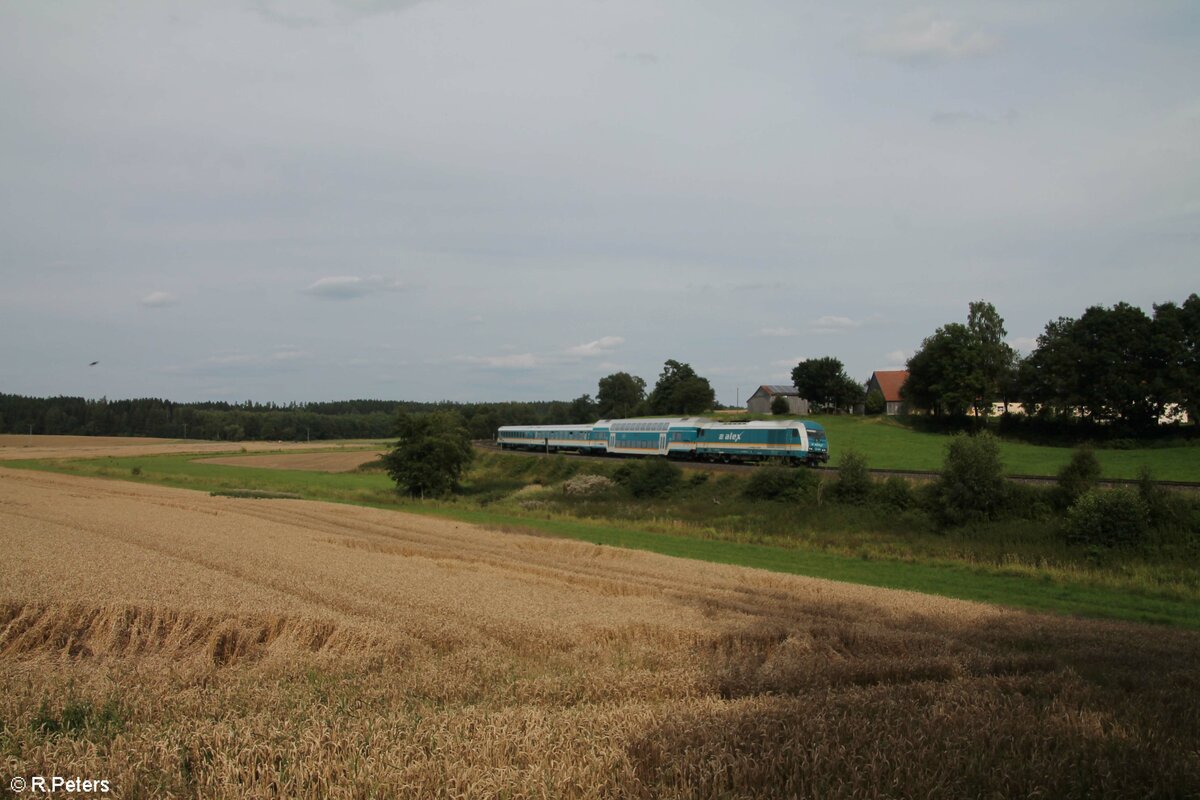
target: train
<point>690,438</point>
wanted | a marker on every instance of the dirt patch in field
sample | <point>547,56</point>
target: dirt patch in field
<point>308,462</point>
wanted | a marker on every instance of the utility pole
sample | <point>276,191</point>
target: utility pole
<point>185,430</point>
<point>307,434</point>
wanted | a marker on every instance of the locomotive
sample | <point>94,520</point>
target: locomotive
<point>691,438</point>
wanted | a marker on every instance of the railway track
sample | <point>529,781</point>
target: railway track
<point>920,476</point>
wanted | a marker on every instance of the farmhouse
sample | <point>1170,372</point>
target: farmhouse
<point>760,401</point>
<point>888,383</point>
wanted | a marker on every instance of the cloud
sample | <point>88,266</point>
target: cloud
<point>158,300</point>
<point>256,359</point>
<point>320,13</point>
<point>602,346</point>
<point>921,38</point>
<point>511,361</point>
<point>1026,344</point>
<point>896,357</point>
<point>779,332</point>
<point>829,324</point>
<point>953,119</point>
<point>642,58</point>
<point>347,287</point>
<point>789,363</point>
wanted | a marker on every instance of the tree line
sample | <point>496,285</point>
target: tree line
<point>1116,366</point>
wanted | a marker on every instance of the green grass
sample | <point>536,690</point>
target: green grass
<point>863,550</point>
<point>888,444</point>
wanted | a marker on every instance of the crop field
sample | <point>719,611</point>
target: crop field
<point>182,645</point>
<point>309,462</point>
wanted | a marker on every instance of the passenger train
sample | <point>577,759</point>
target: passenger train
<point>694,438</point>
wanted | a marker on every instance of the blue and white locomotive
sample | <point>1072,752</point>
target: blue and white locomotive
<point>694,438</point>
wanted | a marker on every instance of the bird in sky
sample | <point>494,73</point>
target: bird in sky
<point>94,363</point>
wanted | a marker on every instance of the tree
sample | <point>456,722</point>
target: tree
<point>875,403</point>
<point>1177,347</point>
<point>971,487</point>
<point>681,391</point>
<point>960,367</point>
<point>779,405</point>
<point>619,395</point>
<point>1108,365</point>
<point>582,410</point>
<point>433,452</point>
<point>825,384</point>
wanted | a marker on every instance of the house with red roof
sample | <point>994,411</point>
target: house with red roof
<point>888,382</point>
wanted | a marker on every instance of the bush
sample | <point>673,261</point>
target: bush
<point>971,487</point>
<point>699,477</point>
<point>780,483</point>
<point>779,405</point>
<point>1080,475</point>
<point>896,493</point>
<point>651,477</point>
<point>854,482</point>
<point>586,484</point>
<point>1115,518</point>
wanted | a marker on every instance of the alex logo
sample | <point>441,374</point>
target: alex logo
<point>729,437</point>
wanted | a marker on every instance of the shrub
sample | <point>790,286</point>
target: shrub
<point>779,405</point>
<point>896,493</point>
<point>971,487</point>
<point>854,482</point>
<point>875,404</point>
<point>780,483</point>
<point>651,477</point>
<point>586,484</point>
<point>699,477</point>
<point>1080,475</point>
<point>1112,518</point>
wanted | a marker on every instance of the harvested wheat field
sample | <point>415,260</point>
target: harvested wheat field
<point>181,645</point>
<point>308,462</point>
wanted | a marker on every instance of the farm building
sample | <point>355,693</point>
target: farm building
<point>888,383</point>
<point>760,401</point>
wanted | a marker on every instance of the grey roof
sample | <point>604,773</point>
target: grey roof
<point>777,388</point>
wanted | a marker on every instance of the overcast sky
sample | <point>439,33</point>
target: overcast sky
<point>469,200</point>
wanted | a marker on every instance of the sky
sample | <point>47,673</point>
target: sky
<point>467,200</point>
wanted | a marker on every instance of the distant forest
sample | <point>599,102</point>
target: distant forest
<point>348,419</point>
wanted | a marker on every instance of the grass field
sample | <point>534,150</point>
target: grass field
<point>888,444</point>
<point>182,645</point>
<point>1008,565</point>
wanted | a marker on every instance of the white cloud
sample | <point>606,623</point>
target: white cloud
<point>513,361</point>
<point>602,346</point>
<point>256,359</point>
<point>896,358</point>
<point>780,332</point>
<point>1026,344</point>
<point>921,37</point>
<point>158,299</point>
<point>833,324</point>
<point>345,287</point>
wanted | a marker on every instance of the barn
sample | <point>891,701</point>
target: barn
<point>888,383</point>
<point>760,401</point>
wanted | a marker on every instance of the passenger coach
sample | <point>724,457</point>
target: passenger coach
<point>693,438</point>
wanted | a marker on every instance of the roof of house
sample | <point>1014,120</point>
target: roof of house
<point>772,389</point>
<point>890,381</point>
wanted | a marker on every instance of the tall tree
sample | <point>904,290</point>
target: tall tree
<point>1177,346</point>
<point>582,410</point>
<point>823,382</point>
<point>960,367</point>
<point>433,452</point>
<point>619,395</point>
<point>681,391</point>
